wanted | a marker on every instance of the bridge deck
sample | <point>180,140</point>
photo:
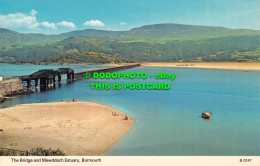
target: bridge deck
<point>107,69</point>
<point>50,73</point>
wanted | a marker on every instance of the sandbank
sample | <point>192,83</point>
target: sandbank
<point>208,65</point>
<point>76,128</point>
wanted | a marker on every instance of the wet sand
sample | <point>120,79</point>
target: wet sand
<point>208,65</point>
<point>76,128</point>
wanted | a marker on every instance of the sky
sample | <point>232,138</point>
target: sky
<point>58,16</point>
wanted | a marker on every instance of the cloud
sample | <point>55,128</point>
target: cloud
<point>29,22</point>
<point>66,24</point>
<point>19,20</point>
<point>48,25</point>
<point>33,12</point>
<point>94,23</point>
<point>123,23</point>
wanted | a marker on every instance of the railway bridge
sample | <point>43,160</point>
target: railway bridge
<point>48,78</point>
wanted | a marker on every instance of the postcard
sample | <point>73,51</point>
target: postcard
<point>130,82</point>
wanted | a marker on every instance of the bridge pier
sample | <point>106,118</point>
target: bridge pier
<point>36,85</point>
<point>48,82</point>
<point>54,82</point>
<point>73,76</point>
<point>59,79</point>
<point>28,85</point>
<point>42,82</point>
<point>51,82</point>
<point>68,77</point>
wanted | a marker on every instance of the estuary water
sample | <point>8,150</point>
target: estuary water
<point>168,122</point>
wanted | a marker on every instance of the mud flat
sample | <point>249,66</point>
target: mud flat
<point>208,65</point>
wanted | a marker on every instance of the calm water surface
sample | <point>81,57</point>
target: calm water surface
<point>168,122</point>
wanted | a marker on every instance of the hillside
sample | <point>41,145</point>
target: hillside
<point>16,37</point>
<point>168,31</point>
<point>186,32</point>
<point>91,32</point>
<point>83,58</point>
<point>158,42</point>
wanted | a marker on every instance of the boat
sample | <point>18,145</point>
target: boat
<point>206,115</point>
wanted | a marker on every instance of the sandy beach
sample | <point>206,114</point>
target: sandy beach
<point>208,65</point>
<point>76,128</point>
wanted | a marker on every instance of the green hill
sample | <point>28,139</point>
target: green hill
<point>83,58</point>
<point>158,42</point>
<point>186,32</point>
<point>168,31</point>
<point>91,32</point>
<point>34,38</point>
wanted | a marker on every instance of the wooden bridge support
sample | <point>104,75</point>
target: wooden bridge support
<point>59,79</point>
<point>48,82</point>
<point>36,84</point>
<point>52,80</point>
<point>43,84</point>
<point>28,84</point>
<point>73,76</point>
<point>70,77</point>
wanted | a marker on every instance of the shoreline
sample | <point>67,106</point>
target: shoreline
<point>71,64</point>
<point>76,128</point>
<point>207,65</point>
<point>202,65</point>
<point>68,64</point>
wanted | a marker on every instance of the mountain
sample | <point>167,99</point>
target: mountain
<point>158,42</point>
<point>168,31</point>
<point>91,32</point>
<point>172,31</point>
<point>12,36</point>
